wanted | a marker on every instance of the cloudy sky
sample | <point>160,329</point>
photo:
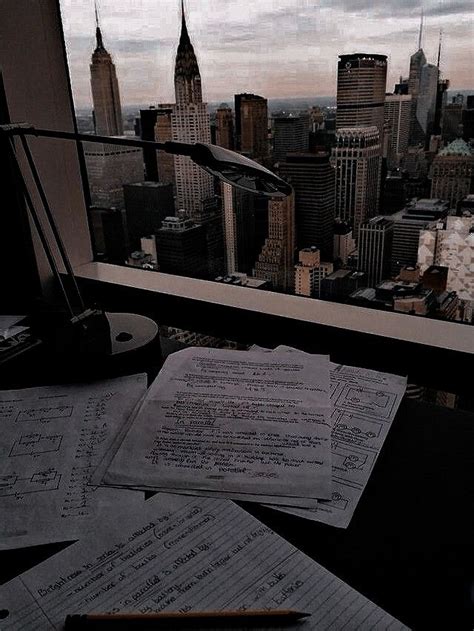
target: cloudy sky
<point>276,48</point>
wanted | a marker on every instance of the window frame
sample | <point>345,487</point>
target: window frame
<point>53,108</point>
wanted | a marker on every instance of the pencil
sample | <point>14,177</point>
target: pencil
<point>191,619</point>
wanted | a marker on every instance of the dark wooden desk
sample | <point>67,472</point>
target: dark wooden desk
<point>409,547</point>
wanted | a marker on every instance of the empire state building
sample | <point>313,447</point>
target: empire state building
<point>105,91</point>
<point>190,123</point>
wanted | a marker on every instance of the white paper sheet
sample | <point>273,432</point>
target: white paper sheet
<point>182,554</point>
<point>365,403</point>
<point>232,422</point>
<point>51,440</point>
<point>6,321</point>
<point>8,328</point>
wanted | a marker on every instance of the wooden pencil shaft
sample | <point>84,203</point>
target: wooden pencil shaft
<point>191,619</point>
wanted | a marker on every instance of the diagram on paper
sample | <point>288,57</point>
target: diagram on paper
<point>350,465</point>
<point>337,501</point>
<point>355,429</point>
<point>33,444</point>
<point>367,401</point>
<point>45,414</point>
<point>45,480</point>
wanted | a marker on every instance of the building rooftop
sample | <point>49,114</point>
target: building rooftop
<point>242,280</point>
<point>430,204</point>
<point>149,184</point>
<point>458,147</point>
<point>397,285</point>
<point>341,273</point>
<point>380,220</point>
<point>363,56</point>
<point>422,210</point>
<point>367,293</point>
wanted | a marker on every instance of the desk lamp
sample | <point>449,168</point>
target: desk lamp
<point>93,330</point>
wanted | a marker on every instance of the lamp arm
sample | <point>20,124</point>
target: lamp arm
<point>23,129</point>
<point>38,226</point>
<point>51,220</point>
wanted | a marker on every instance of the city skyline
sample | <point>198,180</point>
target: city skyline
<point>296,45</point>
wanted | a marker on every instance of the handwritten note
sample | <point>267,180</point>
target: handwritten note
<point>233,422</point>
<point>51,440</point>
<point>183,554</point>
<point>364,405</point>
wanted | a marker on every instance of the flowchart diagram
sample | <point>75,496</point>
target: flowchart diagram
<point>43,480</point>
<point>367,401</point>
<point>45,413</point>
<point>355,429</point>
<point>34,443</point>
<point>350,465</point>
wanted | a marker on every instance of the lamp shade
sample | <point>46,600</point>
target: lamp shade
<point>237,170</point>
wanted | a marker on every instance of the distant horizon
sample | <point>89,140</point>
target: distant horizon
<point>230,101</point>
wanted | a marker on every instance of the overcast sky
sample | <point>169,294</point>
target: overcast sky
<point>276,48</point>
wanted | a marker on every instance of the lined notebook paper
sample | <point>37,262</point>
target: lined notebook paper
<point>182,554</point>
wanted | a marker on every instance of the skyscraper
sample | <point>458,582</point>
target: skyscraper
<point>468,119</point>
<point>224,127</point>
<point>312,178</point>
<point>426,104</point>
<point>452,172</point>
<point>361,84</point>
<point>164,133</point>
<point>290,134</point>
<point>452,121</point>
<point>310,271</point>
<point>147,132</point>
<point>407,224</point>
<point>397,116</point>
<point>181,247</point>
<point>190,123</point>
<point>251,125</point>
<point>276,260</point>
<point>357,159</point>
<point>423,87</point>
<point>147,204</point>
<point>375,245</point>
<point>344,243</point>
<point>105,90</point>
<point>417,61</point>
<point>109,167</point>
<point>239,229</point>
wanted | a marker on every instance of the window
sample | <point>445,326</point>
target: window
<point>60,165</point>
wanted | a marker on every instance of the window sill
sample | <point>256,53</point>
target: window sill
<point>448,336</point>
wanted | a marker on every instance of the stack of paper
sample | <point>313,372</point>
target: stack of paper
<point>51,441</point>
<point>363,406</point>
<point>284,428</point>
<point>241,425</point>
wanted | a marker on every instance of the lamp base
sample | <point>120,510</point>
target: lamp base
<point>102,334</point>
<point>130,331</point>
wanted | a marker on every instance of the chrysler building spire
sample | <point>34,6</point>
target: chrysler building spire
<point>187,80</point>
<point>190,123</point>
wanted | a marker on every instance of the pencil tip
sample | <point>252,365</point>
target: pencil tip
<point>303,614</point>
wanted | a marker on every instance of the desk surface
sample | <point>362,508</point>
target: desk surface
<point>409,546</point>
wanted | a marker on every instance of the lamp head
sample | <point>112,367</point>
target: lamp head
<point>239,171</point>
